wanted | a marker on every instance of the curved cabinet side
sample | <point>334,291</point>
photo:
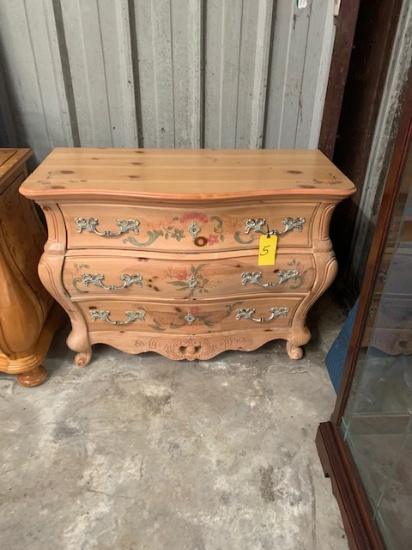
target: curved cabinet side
<point>50,273</point>
<point>326,271</point>
<point>28,315</point>
<point>21,317</point>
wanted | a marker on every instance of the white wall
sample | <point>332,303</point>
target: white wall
<point>163,73</point>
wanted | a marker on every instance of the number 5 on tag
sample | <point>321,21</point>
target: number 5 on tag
<point>267,249</point>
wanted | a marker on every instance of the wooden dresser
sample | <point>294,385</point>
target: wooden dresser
<point>157,250</point>
<point>28,318</point>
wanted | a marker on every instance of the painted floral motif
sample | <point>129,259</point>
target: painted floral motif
<point>78,280</point>
<point>194,216</point>
<point>77,267</point>
<point>213,239</point>
<point>169,229</point>
<point>193,280</point>
<point>193,316</point>
<point>299,279</point>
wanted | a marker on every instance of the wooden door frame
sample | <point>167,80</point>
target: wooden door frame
<point>365,35</point>
<point>338,74</point>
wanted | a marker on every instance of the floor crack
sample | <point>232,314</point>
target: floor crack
<point>108,494</point>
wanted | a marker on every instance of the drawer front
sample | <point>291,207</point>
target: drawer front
<point>140,277</point>
<point>178,229</point>
<point>250,314</point>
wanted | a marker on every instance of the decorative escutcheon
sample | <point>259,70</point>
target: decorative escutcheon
<point>289,223</point>
<point>283,276</point>
<point>138,315</point>
<point>194,230</point>
<point>190,318</point>
<point>90,224</point>
<point>128,280</point>
<point>274,312</point>
<point>191,282</point>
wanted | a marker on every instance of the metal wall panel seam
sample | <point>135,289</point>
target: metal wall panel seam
<point>135,73</point>
<point>36,72</point>
<point>153,35</point>
<point>172,71</point>
<point>278,73</point>
<point>223,27</point>
<point>238,80</point>
<point>56,65</point>
<point>61,60</point>
<point>261,72</point>
<point>318,53</point>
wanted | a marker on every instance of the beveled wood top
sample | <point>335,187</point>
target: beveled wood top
<point>184,174</point>
<point>10,158</point>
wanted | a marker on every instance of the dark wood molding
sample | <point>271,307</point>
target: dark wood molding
<point>372,49</point>
<point>337,463</point>
<point>393,182</point>
<point>342,50</point>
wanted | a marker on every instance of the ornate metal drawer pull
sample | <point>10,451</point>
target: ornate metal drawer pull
<point>289,223</point>
<point>283,276</point>
<point>194,230</point>
<point>274,312</point>
<point>89,224</point>
<point>104,316</point>
<point>128,280</point>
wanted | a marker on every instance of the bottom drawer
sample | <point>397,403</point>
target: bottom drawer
<point>273,312</point>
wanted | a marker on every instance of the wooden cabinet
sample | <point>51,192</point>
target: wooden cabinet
<point>366,447</point>
<point>27,318</point>
<point>157,250</point>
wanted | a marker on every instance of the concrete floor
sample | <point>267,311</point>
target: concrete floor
<point>139,452</point>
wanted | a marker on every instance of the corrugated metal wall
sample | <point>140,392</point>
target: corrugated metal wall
<point>163,73</point>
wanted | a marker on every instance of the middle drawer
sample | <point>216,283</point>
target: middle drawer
<point>185,279</point>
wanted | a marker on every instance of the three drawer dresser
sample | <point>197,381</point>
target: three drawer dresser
<point>187,253</point>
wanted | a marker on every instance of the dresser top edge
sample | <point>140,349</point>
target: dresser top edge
<point>185,174</point>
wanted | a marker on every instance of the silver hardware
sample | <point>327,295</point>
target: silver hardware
<point>283,276</point>
<point>128,280</point>
<point>191,282</point>
<point>274,312</point>
<point>104,316</point>
<point>194,230</point>
<point>289,223</point>
<point>90,224</point>
<point>190,318</point>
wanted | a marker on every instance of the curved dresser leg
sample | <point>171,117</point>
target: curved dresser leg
<point>82,359</point>
<point>294,352</point>
<point>50,269</point>
<point>32,377</point>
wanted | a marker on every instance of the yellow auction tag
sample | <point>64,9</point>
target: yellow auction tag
<point>267,249</point>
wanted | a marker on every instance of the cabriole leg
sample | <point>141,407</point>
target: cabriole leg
<point>294,352</point>
<point>83,358</point>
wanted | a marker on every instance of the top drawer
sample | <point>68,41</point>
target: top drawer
<point>185,229</point>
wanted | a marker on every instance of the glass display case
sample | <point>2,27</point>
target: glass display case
<point>366,448</point>
<point>377,420</point>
